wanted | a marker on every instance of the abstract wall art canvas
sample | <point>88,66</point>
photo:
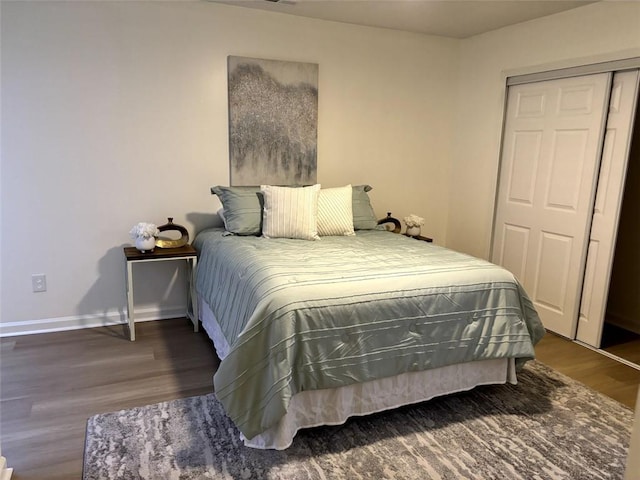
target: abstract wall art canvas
<point>273,122</point>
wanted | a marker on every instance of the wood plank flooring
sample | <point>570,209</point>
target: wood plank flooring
<point>52,383</point>
<point>591,368</point>
<point>621,342</point>
<point>629,351</point>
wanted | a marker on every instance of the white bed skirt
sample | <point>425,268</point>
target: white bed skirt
<point>335,406</point>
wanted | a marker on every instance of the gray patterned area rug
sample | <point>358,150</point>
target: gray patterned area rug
<point>546,427</point>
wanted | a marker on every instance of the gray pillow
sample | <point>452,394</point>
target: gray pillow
<point>364,218</point>
<point>242,208</point>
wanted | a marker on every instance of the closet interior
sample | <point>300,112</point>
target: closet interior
<point>621,330</point>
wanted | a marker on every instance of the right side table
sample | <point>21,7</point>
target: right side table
<point>420,237</point>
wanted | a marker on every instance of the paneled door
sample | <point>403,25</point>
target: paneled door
<point>550,155</point>
<point>606,213</point>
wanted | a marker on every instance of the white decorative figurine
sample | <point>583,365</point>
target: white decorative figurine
<point>413,223</point>
<point>144,236</point>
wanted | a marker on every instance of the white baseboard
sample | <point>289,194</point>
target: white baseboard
<point>76,322</point>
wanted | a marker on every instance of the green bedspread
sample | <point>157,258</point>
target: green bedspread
<point>305,315</point>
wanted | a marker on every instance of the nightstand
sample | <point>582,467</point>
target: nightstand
<point>420,237</point>
<point>186,253</point>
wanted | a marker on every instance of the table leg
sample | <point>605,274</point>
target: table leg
<point>193,298</point>
<point>130,314</point>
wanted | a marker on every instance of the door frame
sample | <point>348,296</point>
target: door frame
<point>553,72</point>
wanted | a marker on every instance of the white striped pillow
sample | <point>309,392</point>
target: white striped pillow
<point>335,211</point>
<point>290,212</point>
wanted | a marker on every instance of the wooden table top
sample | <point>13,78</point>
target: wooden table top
<point>132,253</point>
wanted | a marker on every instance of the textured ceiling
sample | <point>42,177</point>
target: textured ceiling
<point>449,18</point>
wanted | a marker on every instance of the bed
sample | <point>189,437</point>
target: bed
<point>312,332</point>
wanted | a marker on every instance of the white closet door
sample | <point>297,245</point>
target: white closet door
<point>606,212</point>
<point>550,153</point>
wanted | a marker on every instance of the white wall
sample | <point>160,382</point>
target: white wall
<point>632,471</point>
<point>116,112</point>
<point>596,32</point>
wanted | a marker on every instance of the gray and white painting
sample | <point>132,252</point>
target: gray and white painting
<point>273,122</point>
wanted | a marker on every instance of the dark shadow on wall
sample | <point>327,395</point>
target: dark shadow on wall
<point>106,300</point>
<point>108,295</point>
<point>200,221</point>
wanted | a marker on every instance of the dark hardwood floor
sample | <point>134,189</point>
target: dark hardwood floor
<point>595,370</point>
<point>52,383</point>
<point>621,342</point>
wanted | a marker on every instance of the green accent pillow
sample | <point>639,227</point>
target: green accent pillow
<point>364,218</point>
<point>242,208</point>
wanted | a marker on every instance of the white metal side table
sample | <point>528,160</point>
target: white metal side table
<point>187,253</point>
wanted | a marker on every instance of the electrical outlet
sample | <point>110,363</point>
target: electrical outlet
<point>39,282</point>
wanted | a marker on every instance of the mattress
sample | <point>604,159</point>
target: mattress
<point>334,406</point>
<point>316,315</point>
